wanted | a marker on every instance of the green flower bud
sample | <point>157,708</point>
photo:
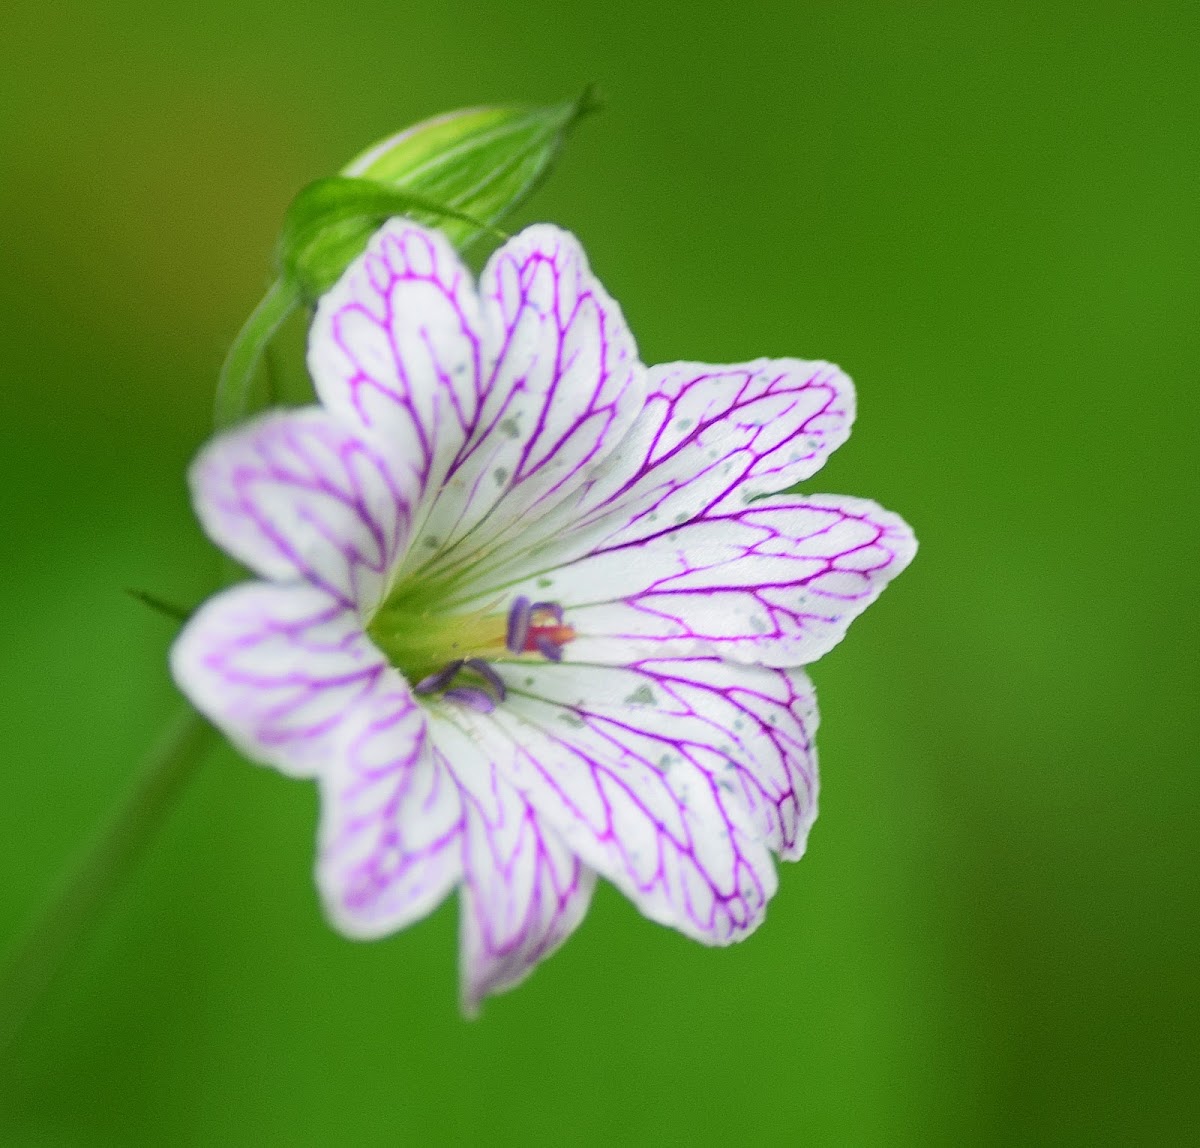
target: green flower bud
<point>461,172</point>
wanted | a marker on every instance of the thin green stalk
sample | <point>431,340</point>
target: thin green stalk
<point>237,372</point>
<point>31,963</point>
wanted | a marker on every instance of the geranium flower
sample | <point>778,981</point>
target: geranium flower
<point>531,612</point>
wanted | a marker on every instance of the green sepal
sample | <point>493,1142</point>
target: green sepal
<point>329,223</point>
<point>170,610</point>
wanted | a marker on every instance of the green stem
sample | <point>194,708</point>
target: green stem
<point>237,372</point>
<point>31,963</point>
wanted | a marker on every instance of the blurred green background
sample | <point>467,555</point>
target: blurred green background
<point>988,214</point>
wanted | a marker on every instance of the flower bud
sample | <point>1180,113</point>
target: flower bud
<point>460,172</point>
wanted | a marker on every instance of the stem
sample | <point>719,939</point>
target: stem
<point>30,964</point>
<point>237,372</point>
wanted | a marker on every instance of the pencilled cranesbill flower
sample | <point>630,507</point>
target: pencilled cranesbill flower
<point>529,611</point>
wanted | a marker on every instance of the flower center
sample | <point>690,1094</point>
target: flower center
<point>450,654</point>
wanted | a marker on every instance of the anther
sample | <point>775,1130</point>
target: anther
<point>518,624</point>
<point>472,697</point>
<point>440,680</point>
<point>551,608</point>
<point>537,628</point>
<point>489,675</point>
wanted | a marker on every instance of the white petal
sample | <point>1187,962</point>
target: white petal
<point>524,892</point>
<point>297,494</point>
<point>777,583</point>
<point>391,836</point>
<point>565,388</point>
<point>749,728</point>
<point>396,349</point>
<point>278,668</point>
<point>709,440</point>
<point>657,823</point>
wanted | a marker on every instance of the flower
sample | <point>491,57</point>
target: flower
<point>529,611</point>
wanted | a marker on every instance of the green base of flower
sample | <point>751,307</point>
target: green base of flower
<point>419,639</point>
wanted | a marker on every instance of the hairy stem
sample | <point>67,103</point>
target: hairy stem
<point>34,958</point>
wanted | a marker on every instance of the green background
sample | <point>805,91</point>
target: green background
<point>988,214</point>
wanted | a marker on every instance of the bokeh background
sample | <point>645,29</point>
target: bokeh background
<point>988,214</point>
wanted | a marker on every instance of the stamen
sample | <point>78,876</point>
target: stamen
<point>440,680</point>
<point>472,697</point>
<point>548,647</point>
<point>551,608</point>
<point>518,624</point>
<point>490,676</point>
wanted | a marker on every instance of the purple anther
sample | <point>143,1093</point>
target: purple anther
<point>440,680</point>
<point>490,676</point>
<point>552,608</point>
<point>472,697</point>
<point>548,648</point>
<point>518,624</point>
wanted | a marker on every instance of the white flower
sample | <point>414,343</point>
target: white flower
<point>525,614</point>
